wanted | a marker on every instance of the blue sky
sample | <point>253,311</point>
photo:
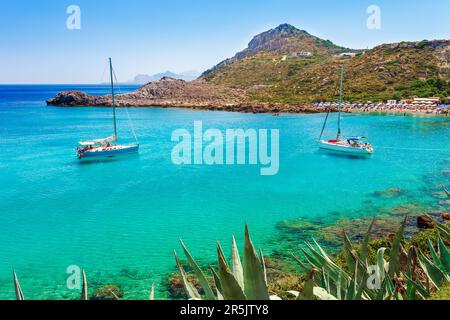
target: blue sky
<point>147,36</point>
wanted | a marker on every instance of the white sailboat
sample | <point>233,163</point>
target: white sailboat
<point>106,147</point>
<point>349,145</point>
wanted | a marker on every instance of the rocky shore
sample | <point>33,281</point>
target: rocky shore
<point>174,93</point>
<point>203,95</point>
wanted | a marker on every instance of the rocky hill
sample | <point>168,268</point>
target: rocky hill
<point>283,40</point>
<point>272,70</point>
<point>284,69</point>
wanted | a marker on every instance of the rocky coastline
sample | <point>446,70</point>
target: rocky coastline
<point>202,95</point>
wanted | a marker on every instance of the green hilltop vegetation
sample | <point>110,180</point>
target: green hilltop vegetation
<point>274,69</point>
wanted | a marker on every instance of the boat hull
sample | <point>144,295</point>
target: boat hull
<point>344,149</point>
<point>108,153</point>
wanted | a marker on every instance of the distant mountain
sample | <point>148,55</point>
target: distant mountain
<point>142,79</point>
<point>289,66</point>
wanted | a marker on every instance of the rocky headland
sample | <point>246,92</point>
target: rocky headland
<point>176,93</point>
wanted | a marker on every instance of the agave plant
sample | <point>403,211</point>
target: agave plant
<point>237,280</point>
<point>394,280</point>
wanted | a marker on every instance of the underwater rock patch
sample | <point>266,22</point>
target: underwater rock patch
<point>107,292</point>
<point>389,193</point>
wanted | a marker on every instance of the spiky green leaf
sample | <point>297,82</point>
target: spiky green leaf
<point>365,244</point>
<point>199,274</point>
<point>444,255</point>
<point>231,290</point>
<point>17,288</point>
<point>394,255</point>
<point>84,289</point>
<point>435,275</point>
<point>254,281</point>
<point>191,291</point>
<point>236,264</point>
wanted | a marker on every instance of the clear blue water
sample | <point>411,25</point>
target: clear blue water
<point>121,219</point>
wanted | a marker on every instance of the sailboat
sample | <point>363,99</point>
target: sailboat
<point>357,145</point>
<point>106,147</point>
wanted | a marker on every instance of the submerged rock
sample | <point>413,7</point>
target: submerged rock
<point>107,293</point>
<point>425,222</point>
<point>389,193</point>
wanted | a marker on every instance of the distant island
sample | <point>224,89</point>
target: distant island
<point>287,69</point>
<point>142,79</point>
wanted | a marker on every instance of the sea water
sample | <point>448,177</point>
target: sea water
<point>120,220</point>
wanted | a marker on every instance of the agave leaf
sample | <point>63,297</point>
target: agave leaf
<point>381,294</point>
<point>324,261</point>
<point>394,263</point>
<point>381,263</point>
<point>322,294</point>
<point>351,291</point>
<point>324,254</point>
<point>231,290</point>
<point>435,256</point>
<point>313,262</point>
<point>359,288</point>
<point>254,280</point>
<point>414,286</point>
<point>447,193</point>
<point>199,274</point>
<point>411,262</point>
<point>191,291</point>
<point>263,265</point>
<point>236,264</point>
<point>308,288</point>
<point>339,287</point>
<point>434,274</point>
<point>444,231</point>
<point>444,254</point>
<point>17,288</point>
<point>115,296</point>
<point>84,290</point>
<point>350,256</point>
<point>410,290</point>
<point>302,266</point>
<point>152,292</point>
<point>390,289</point>
<point>365,245</point>
<point>217,283</point>
<point>216,279</point>
<point>219,296</point>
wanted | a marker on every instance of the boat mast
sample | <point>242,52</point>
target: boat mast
<point>113,99</point>
<point>340,101</point>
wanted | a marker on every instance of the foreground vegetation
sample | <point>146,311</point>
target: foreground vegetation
<point>375,269</point>
<point>397,273</point>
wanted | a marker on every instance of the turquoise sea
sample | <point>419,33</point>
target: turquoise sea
<point>120,220</point>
